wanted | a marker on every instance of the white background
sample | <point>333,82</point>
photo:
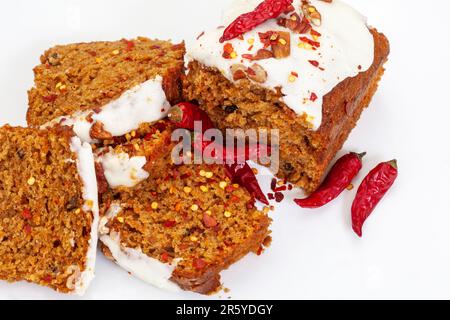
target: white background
<point>405,252</point>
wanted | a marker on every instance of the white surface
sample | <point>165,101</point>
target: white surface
<point>405,252</point>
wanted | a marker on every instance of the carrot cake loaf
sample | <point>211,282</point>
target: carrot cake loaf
<point>306,68</point>
<point>48,208</point>
<point>173,226</point>
<point>106,89</point>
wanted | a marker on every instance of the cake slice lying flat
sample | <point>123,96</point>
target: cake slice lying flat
<point>106,89</point>
<point>177,226</point>
<point>48,209</point>
<point>310,74</point>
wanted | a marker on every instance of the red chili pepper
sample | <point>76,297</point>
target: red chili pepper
<point>373,188</point>
<point>243,175</point>
<point>268,9</point>
<point>247,152</point>
<point>340,176</point>
<point>185,114</point>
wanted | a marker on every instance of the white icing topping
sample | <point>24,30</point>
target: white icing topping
<point>134,261</point>
<point>144,103</point>
<point>121,170</point>
<point>86,171</point>
<point>346,48</point>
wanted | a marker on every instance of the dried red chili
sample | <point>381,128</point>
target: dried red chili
<point>373,188</point>
<point>340,176</point>
<point>243,175</point>
<point>246,152</point>
<point>185,114</point>
<point>268,9</point>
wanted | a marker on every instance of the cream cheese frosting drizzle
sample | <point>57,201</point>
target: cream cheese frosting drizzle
<point>144,103</point>
<point>307,74</point>
<point>135,261</point>
<point>86,171</point>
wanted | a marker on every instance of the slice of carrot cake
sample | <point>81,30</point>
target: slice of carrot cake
<point>306,68</point>
<point>106,89</point>
<point>174,226</point>
<point>48,208</point>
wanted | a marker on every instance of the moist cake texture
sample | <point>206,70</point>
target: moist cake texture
<point>48,209</point>
<point>183,225</point>
<point>135,80</point>
<point>313,128</point>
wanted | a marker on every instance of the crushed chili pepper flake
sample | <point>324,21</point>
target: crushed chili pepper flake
<point>199,263</point>
<point>208,220</point>
<point>279,196</point>
<point>271,196</point>
<point>170,223</point>
<point>200,35</point>
<point>165,257</point>
<point>50,98</point>
<point>313,97</point>
<point>27,228</point>
<point>26,213</point>
<point>314,63</point>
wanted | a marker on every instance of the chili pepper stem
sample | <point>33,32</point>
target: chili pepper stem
<point>393,163</point>
<point>361,155</point>
<point>175,114</point>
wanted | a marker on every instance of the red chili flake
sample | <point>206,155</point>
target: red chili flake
<point>251,204</point>
<point>273,184</point>
<point>267,38</point>
<point>27,229</point>
<point>340,176</point>
<point>26,214</point>
<point>209,221</point>
<point>373,188</point>
<point>311,42</point>
<point>270,196</point>
<point>295,74</point>
<point>359,67</point>
<point>227,50</point>
<point>92,53</point>
<point>268,9</point>
<point>170,223</point>
<point>250,48</point>
<point>235,199</point>
<point>201,35</point>
<point>314,63</point>
<point>199,263</point>
<point>185,176</point>
<point>165,257</point>
<point>315,33</point>
<point>281,188</point>
<point>313,97</point>
<point>47,278</point>
<point>279,196</point>
<point>229,189</point>
<point>290,187</point>
<point>50,98</point>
